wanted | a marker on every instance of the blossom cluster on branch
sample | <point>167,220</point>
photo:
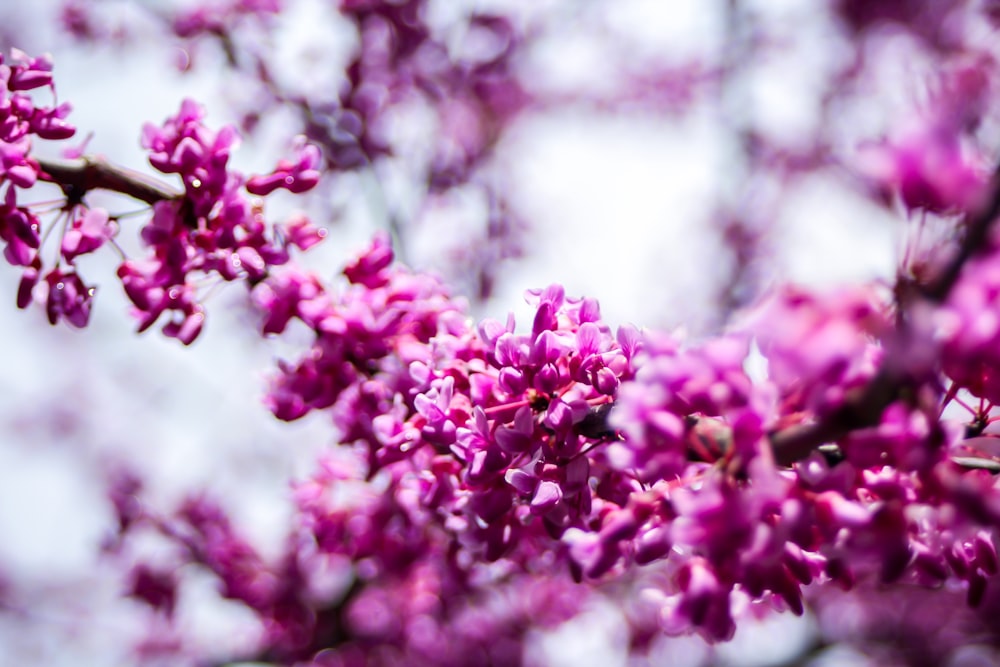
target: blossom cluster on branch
<point>491,478</point>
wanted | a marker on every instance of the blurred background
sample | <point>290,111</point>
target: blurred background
<point>672,159</point>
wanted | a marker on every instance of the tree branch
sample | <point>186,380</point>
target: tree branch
<point>861,410</point>
<point>865,408</point>
<point>77,177</point>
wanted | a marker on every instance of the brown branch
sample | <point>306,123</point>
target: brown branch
<point>861,410</point>
<point>865,408</point>
<point>77,177</point>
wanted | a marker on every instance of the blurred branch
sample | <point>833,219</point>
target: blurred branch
<point>739,225</point>
<point>860,411</point>
<point>865,408</point>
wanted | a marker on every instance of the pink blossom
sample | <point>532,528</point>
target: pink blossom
<point>928,168</point>
<point>298,176</point>
<point>86,233</point>
<point>67,298</point>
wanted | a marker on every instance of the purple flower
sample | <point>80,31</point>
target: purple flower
<point>67,298</point>
<point>819,347</point>
<point>27,72</point>
<point>299,176</point>
<point>703,603</point>
<point>184,146</point>
<point>369,269</point>
<point>88,232</point>
<point>19,228</point>
<point>15,165</point>
<point>302,233</point>
<point>929,169</point>
<point>664,411</point>
<point>51,123</point>
<point>280,296</point>
<point>968,329</point>
<point>25,288</point>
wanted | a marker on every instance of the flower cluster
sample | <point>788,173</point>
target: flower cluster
<point>486,445</point>
<point>569,448</point>
<point>820,347</point>
<point>886,503</point>
<point>684,403</point>
<point>533,441</point>
<point>214,228</point>
<point>61,290</point>
<point>20,117</point>
<point>412,599</point>
<point>366,336</point>
<point>969,331</point>
<point>485,470</point>
<point>277,591</point>
<point>694,431</point>
<point>491,437</point>
<point>927,166</point>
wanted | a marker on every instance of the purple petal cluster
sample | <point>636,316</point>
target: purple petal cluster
<point>693,402</point>
<point>485,457</point>
<point>21,117</point>
<point>87,232</point>
<point>508,425</point>
<point>19,229</point>
<point>412,599</point>
<point>732,536</point>
<point>968,329</point>
<point>888,506</point>
<point>67,298</point>
<point>298,176</point>
<point>62,291</point>
<point>278,592</point>
<point>213,229</point>
<point>185,146</point>
<point>928,168</point>
<point>275,591</point>
<point>820,347</point>
<point>366,337</point>
<point>533,444</point>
